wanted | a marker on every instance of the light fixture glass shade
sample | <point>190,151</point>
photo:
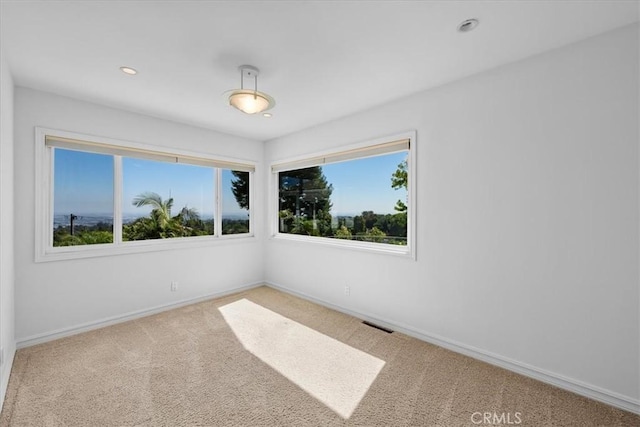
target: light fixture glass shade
<point>250,102</point>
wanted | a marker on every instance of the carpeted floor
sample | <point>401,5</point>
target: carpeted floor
<point>207,365</point>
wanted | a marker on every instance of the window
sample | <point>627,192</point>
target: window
<point>359,197</point>
<point>235,202</point>
<point>102,197</point>
<point>163,200</point>
<point>83,198</point>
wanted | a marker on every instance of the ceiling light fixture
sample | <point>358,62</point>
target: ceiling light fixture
<point>250,101</point>
<point>129,70</point>
<point>468,25</point>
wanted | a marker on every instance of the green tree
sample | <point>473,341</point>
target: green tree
<point>387,228</point>
<point>398,225</point>
<point>161,210</point>
<point>189,219</point>
<point>305,202</point>
<point>374,235</point>
<point>343,233</point>
<point>235,226</point>
<point>399,180</point>
<point>85,236</point>
<point>160,224</point>
<point>240,188</point>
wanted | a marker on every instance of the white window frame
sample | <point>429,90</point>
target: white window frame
<point>350,152</point>
<point>44,249</point>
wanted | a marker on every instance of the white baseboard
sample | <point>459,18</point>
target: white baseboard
<point>65,332</point>
<point>575,386</point>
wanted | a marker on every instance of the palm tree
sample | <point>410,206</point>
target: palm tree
<point>189,219</point>
<point>160,224</point>
<point>189,214</point>
<point>161,212</point>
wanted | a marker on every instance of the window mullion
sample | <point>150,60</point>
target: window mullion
<point>251,204</point>
<point>49,158</point>
<point>117,200</point>
<point>218,199</point>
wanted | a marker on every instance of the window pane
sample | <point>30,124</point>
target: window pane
<point>235,202</point>
<point>82,198</point>
<point>363,199</point>
<point>165,200</point>
<point>305,202</point>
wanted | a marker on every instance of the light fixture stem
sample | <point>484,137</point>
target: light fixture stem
<point>255,90</point>
<point>241,79</point>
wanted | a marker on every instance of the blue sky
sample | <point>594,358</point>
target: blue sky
<point>364,185</point>
<point>191,186</point>
<point>83,185</point>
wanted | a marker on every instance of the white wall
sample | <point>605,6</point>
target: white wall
<point>56,296</point>
<point>527,218</point>
<point>7,339</point>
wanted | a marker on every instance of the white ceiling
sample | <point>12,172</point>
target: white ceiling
<point>320,60</point>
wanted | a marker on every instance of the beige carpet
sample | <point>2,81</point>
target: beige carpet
<point>251,359</point>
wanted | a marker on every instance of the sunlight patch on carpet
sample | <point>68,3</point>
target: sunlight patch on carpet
<point>335,373</point>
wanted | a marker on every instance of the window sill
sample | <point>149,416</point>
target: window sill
<point>379,248</point>
<point>141,246</point>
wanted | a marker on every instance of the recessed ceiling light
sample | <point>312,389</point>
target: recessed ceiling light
<point>468,25</point>
<point>129,70</point>
<point>267,115</point>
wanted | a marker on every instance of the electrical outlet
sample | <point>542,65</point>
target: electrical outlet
<point>347,290</point>
<point>174,286</point>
